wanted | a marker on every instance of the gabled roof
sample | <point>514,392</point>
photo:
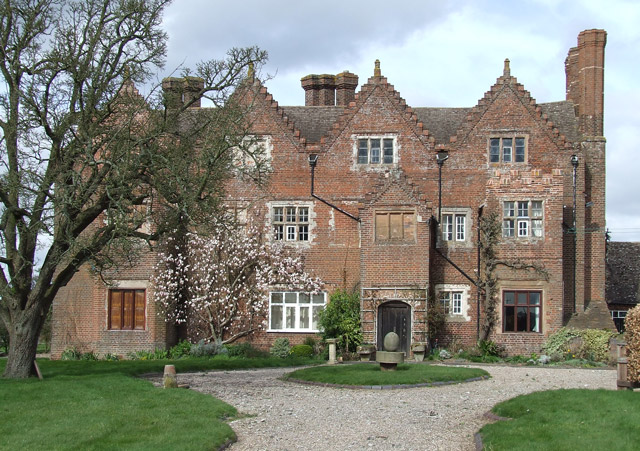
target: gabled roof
<point>317,122</point>
<point>623,273</point>
<point>314,122</point>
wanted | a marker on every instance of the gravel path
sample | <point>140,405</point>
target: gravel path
<point>286,416</point>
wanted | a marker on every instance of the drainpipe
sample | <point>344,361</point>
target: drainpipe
<point>574,162</point>
<point>313,160</point>
<point>441,157</point>
<point>480,209</point>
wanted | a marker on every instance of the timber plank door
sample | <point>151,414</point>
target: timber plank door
<point>395,316</point>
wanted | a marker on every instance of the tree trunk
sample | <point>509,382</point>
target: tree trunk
<point>23,343</point>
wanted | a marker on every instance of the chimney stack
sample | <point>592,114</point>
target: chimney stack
<point>179,91</point>
<point>319,90</point>
<point>346,84</point>
<point>584,68</point>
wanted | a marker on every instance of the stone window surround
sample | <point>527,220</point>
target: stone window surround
<point>516,221</point>
<point>398,210</point>
<point>455,211</point>
<point>521,285</point>
<point>127,284</point>
<point>241,159</point>
<point>292,203</point>
<point>510,134</point>
<point>452,287</point>
<point>355,138</point>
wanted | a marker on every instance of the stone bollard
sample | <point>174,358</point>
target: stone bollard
<point>169,380</point>
<point>332,349</point>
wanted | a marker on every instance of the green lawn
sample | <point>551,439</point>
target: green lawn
<point>566,419</point>
<point>99,405</point>
<point>370,374</point>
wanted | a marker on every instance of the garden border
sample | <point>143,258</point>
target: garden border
<point>384,387</point>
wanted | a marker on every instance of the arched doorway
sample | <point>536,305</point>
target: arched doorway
<point>395,316</point>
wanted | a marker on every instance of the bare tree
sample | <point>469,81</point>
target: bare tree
<point>85,161</point>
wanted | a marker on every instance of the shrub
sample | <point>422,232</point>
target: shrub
<point>632,335</point>
<point>589,344</point>
<point>341,319</point>
<point>203,349</point>
<point>71,354</point>
<point>157,354</point>
<point>180,350</point>
<point>89,356</point>
<point>489,348</point>
<point>302,351</point>
<point>111,357</point>
<point>244,350</point>
<point>281,348</point>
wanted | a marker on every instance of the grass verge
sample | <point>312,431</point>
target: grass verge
<point>99,405</point>
<point>370,374</point>
<point>566,419</point>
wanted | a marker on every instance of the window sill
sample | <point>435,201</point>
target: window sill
<point>292,331</point>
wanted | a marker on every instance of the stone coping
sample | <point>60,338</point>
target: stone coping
<point>385,387</point>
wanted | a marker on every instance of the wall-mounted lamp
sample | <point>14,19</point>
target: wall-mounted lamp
<point>574,161</point>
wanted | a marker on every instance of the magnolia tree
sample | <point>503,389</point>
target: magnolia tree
<point>219,283</point>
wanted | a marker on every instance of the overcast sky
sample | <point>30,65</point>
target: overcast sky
<point>436,53</point>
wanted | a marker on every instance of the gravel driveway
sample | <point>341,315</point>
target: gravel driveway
<point>286,416</point>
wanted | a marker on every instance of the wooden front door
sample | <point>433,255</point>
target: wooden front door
<point>395,317</point>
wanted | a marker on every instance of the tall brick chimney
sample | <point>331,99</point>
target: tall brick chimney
<point>346,84</point>
<point>584,68</point>
<point>179,91</point>
<point>319,90</point>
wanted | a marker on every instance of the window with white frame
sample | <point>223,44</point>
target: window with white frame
<point>618,319</point>
<point>454,300</point>
<point>290,223</point>
<point>292,311</point>
<point>522,218</point>
<point>376,151</point>
<point>451,302</point>
<point>454,227</point>
<point>507,150</point>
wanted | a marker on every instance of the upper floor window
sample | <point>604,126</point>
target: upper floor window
<point>507,150</point>
<point>376,150</point>
<point>254,152</point>
<point>522,218</point>
<point>290,223</point>
<point>395,226</point>
<point>126,309</point>
<point>454,227</point>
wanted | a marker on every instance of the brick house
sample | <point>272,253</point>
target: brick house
<point>623,280</point>
<point>388,198</point>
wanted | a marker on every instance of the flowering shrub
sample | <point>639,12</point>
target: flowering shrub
<point>220,282</point>
<point>632,336</point>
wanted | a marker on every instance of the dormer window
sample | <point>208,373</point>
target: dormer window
<point>508,149</point>
<point>376,151</point>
